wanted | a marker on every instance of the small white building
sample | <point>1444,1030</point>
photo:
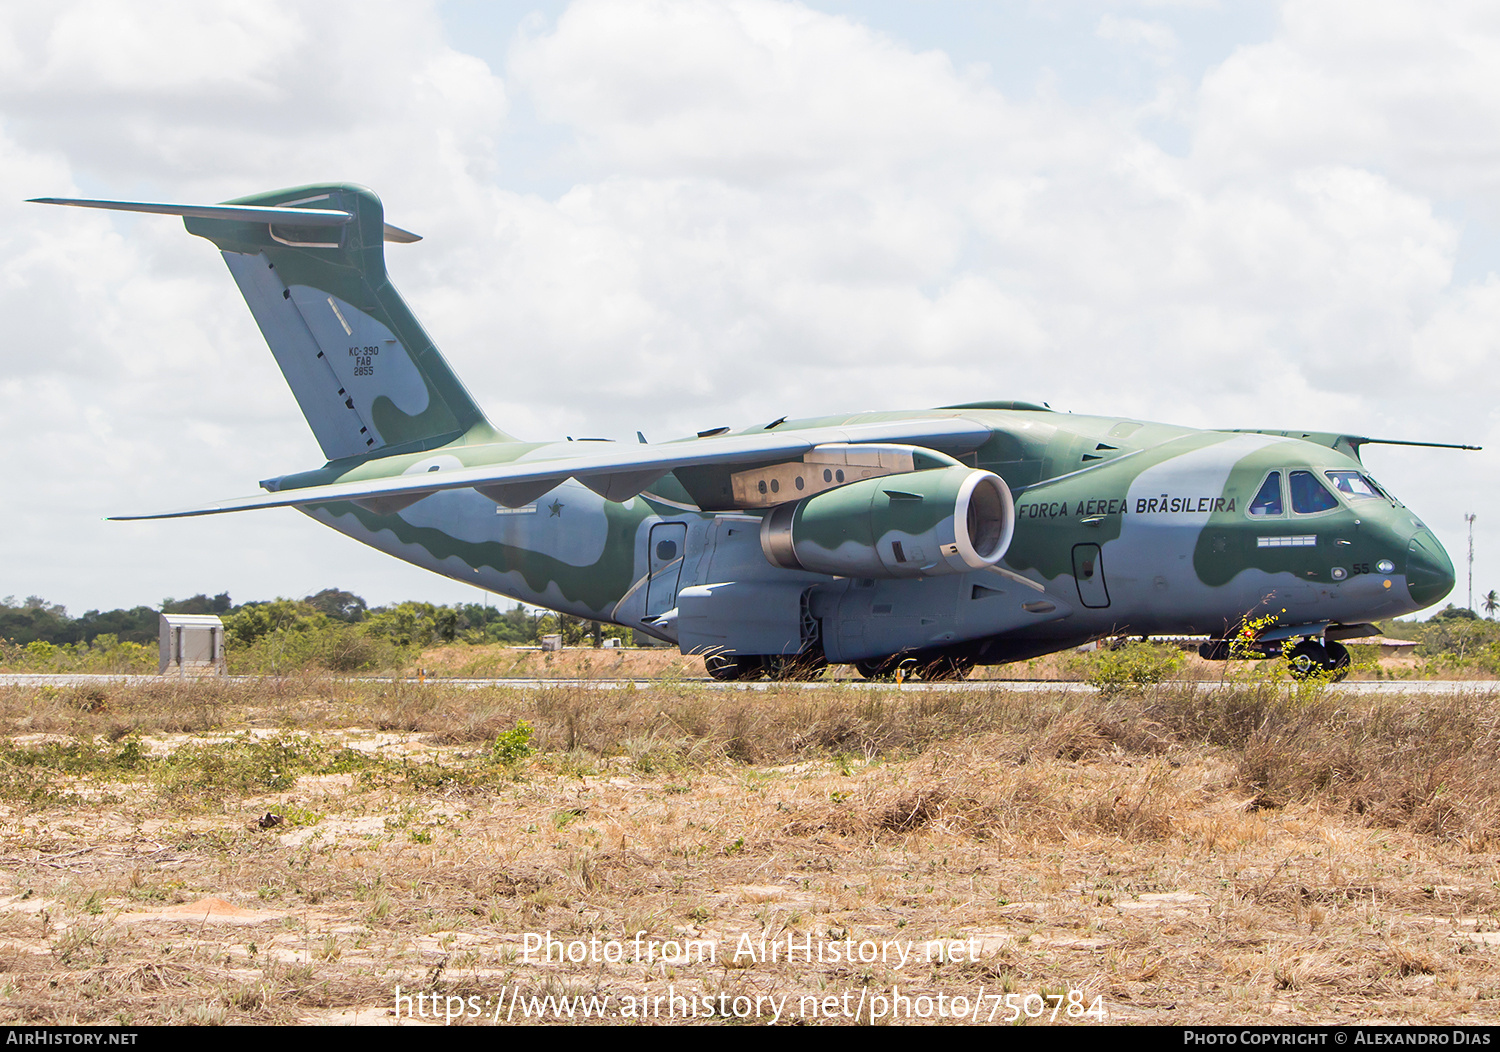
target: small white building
<point>192,644</point>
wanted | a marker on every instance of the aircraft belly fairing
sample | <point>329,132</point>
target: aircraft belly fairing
<point>980,532</point>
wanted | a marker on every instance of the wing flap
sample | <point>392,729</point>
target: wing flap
<point>517,494</point>
<point>391,505</point>
<point>623,485</point>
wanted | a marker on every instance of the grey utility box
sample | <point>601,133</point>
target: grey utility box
<point>192,645</point>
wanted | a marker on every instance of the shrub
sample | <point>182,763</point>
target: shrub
<point>1131,667</point>
<point>514,745</point>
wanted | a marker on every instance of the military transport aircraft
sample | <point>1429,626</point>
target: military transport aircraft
<point>986,532</point>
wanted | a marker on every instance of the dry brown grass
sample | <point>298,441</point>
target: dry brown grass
<point>1226,856</point>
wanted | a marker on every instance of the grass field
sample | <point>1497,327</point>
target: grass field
<point>296,850</point>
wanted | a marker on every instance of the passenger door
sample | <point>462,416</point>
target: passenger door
<point>1088,572</point>
<point>667,541</point>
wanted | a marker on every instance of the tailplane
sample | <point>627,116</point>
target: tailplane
<point>310,262</point>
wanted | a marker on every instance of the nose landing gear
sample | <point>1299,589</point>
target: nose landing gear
<point>1310,658</point>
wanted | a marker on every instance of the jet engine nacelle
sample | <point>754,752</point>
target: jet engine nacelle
<point>920,524</point>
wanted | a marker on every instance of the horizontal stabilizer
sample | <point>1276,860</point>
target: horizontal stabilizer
<point>618,473</point>
<point>288,216</point>
<point>243,213</point>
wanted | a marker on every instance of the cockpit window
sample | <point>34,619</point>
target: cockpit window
<point>1353,485</point>
<point>1268,501</point>
<point>1308,494</point>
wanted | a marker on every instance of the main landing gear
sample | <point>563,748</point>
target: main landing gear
<point>928,669</point>
<point>726,667</point>
<point>729,667</point>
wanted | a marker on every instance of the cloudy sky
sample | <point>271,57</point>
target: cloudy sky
<point>670,216</point>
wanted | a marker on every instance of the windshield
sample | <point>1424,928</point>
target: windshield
<point>1308,494</point>
<point>1353,485</point>
<point>1268,501</point>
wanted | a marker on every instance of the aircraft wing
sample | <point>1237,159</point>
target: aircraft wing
<point>616,474</point>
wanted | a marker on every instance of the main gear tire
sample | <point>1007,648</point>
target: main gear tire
<point>944,669</point>
<point>939,669</point>
<point>730,667</point>
<point>794,667</point>
<point>878,670</point>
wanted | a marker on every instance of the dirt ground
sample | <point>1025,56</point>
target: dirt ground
<point>307,852</point>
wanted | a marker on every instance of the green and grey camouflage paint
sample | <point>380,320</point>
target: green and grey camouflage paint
<point>1015,531</point>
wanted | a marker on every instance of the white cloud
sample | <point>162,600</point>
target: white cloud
<point>200,96</point>
<point>1155,38</point>
<point>1405,88</point>
<point>135,378</point>
<point>746,91</point>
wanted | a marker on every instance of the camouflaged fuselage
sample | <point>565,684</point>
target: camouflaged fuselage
<point>1107,526</point>
<point>1121,526</point>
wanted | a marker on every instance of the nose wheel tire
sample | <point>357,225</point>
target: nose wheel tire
<point>1310,658</point>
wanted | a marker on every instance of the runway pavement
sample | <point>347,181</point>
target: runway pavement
<point>1403,686</point>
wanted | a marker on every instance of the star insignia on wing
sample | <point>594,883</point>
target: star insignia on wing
<point>556,508</point>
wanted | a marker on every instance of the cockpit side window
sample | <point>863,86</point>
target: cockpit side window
<point>1353,485</point>
<point>1309,495</point>
<point>1268,501</point>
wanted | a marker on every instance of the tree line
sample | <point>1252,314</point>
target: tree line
<point>405,625</point>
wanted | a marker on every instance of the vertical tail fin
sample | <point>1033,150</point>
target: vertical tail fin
<point>310,262</point>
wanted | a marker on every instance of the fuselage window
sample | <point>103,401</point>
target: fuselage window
<point>1268,501</point>
<point>1308,494</point>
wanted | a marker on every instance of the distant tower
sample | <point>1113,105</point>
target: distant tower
<point>1470,520</point>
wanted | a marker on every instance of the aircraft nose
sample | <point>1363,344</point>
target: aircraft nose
<point>1429,571</point>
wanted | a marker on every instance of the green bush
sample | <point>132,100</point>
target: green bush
<point>313,642</point>
<point>105,655</point>
<point>1130,667</point>
<point>514,745</point>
